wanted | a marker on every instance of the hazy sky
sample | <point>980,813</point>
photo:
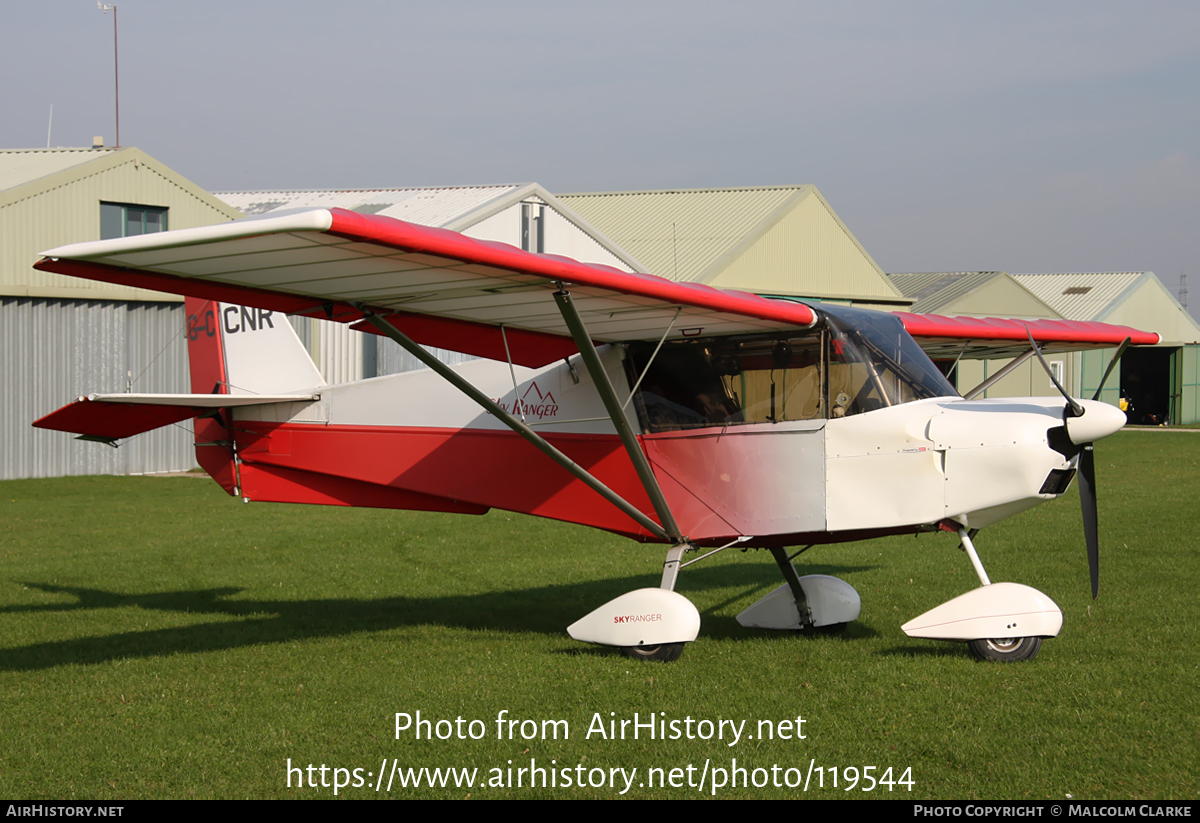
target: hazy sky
<point>1024,136</point>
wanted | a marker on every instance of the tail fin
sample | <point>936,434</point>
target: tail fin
<point>242,350</point>
<point>239,350</point>
<point>241,355</point>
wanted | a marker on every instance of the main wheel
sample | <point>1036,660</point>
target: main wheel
<point>667,652</point>
<point>1006,650</point>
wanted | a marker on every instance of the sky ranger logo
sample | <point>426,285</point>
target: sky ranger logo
<point>531,404</point>
<point>637,618</point>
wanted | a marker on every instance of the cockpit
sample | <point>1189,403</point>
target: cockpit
<point>852,362</point>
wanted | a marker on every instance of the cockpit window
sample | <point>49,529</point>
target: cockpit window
<point>682,390</point>
<point>729,381</point>
<point>858,362</point>
<point>775,380</point>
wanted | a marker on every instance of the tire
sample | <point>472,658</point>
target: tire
<point>667,652</point>
<point>1006,650</point>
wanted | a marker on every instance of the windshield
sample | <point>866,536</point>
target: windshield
<point>874,363</point>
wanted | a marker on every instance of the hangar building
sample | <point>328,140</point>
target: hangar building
<point>772,240</point>
<point>74,336</point>
<point>985,294</point>
<point>787,241</point>
<point>65,337</point>
<point>1162,380</point>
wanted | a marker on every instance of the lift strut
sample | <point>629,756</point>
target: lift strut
<point>519,427</point>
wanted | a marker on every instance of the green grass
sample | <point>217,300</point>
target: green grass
<point>161,640</point>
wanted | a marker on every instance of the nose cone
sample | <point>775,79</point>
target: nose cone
<point>1098,420</point>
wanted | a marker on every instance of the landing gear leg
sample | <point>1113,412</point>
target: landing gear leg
<point>793,581</point>
<point>671,566</point>
<point>815,601</point>
<point>999,649</point>
<point>966,537</point>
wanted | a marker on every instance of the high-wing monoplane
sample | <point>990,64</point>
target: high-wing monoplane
<point>671,413</point>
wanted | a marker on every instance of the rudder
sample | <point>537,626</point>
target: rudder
<point>239,350</point>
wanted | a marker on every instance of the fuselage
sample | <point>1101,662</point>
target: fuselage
<point>411,441</point>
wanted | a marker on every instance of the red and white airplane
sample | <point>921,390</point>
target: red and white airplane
<point>671,413</point>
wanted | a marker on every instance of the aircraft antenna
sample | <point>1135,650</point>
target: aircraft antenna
<point>105,9</point>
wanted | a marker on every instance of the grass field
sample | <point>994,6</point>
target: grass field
<point>161,640</point>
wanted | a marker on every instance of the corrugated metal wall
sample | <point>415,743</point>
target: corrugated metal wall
<point>343,355</point>
<point>334,347</point>
<point>65,337</point>
<point>57,350</point>
<point>1091,368</point>
<point>561,236</point>
<point>394,360</point>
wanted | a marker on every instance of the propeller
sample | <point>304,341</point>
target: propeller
<point>1082,434</point>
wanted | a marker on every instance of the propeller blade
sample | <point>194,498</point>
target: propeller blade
<point>1076,409</point>
<point>1087,502</point>
<point>1111,365</point>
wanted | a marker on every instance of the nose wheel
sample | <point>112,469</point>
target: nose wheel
<point>667,652</point>
<point>1000,622</point>
<point>1005,650</point>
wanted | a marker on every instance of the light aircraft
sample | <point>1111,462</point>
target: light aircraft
<point>671,413</point>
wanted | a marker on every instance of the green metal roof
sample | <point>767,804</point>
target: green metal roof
<point>679,233</point>
<point>933,290</point>
<point>1081,296</point>
<point>21,166</point>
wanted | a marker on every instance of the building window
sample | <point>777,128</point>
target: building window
<point>128,220</point>
<point>1056,370</point>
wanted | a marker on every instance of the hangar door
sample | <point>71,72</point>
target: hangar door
<point>1185,391</point>
<point>1161,384</point>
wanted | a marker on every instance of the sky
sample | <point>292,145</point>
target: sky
<point>948,136</point>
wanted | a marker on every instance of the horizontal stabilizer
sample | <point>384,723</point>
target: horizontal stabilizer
<point>113,416</point>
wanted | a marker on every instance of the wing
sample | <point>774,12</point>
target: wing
<point>439,287</point>
<point>947,338</point>
<point>482,298</point>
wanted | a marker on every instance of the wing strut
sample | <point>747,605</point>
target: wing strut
<point>612,404</point>
<point>520,428</point>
